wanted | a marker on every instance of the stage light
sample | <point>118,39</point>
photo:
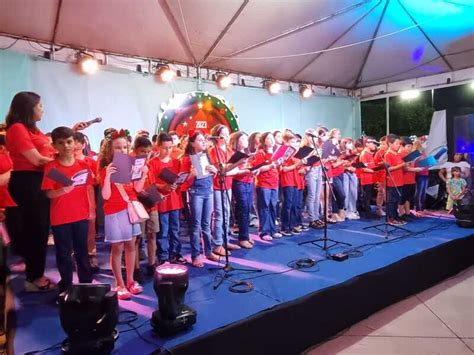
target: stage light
<point>89,315</point>
<point>472,85</point>
<point>273,87</point>
<point>410,94</point>
<point>164,74</point>
<point>223,81</point>
<point>305,91</point>
<point>170,285</point>
<point>87,64</point>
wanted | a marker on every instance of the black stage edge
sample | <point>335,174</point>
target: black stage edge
<point>292,327</point>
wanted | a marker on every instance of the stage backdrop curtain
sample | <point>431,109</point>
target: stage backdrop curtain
<point>132,100</point>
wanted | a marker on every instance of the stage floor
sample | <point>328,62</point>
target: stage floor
<point>37,321</point>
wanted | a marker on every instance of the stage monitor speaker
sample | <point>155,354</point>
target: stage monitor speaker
<point>464,211</point>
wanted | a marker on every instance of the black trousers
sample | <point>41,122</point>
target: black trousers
<point>28,224</point>
<point>367,191</point>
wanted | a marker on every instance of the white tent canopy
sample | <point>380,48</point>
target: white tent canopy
<point>339,43</point>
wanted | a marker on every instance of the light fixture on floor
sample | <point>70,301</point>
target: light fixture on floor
<point>170,285</point>
<point>89,315</point>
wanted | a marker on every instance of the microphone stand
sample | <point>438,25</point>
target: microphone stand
<point>325,247</point>
<point>386,225</point>
<point>227,268</point>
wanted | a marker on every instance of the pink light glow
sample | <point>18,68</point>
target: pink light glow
<point>172,269</point>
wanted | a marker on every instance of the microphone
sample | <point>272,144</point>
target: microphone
<point>214,137</point>
<point>79,126</point>
<point>311,132</point>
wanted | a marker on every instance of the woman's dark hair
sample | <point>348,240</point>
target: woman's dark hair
<point>80,137</point>
<point>22,110</point>
<point>391,138</point>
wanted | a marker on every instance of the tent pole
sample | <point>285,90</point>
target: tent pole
<point>387,111</point>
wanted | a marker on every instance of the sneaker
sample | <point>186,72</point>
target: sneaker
<point>122,293</point>
<point>178,259</point>
<point>395,222</point>
<point>296,231</point>
<point>266,237</point>
<point>337,218</point>
<point>304,227</point>
<point>352,216</point>
<point>277,235</point>
<point>135,288</point>
<point>286,233</point>
<point>401,221</point>
<point>380,212</point>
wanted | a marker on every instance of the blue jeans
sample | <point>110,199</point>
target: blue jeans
<point>288,210</point>
<point>314,181</point>
<point>68,238</point>
<point>217,216</point>
<point>243,196</point>
<point>339,197</point>
<point>420,195</point>
<point>266,208</point>
<point>201,201</point>
<point>351,184</point>
<point>167,239</point>
<point>393,200</point>
<point>299,207</point>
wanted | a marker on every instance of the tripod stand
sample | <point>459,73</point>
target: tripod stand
<point>325,247</point>
<point>383,227</point>
<point>227,268</point>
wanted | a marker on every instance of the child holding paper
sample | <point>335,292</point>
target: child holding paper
<point>70,207</point>
<point>80,144</point>
<point>200,197</point>
<point>289,186</point>
<point>167,237</point>
<point>267,188</point>
<point>119,231</point>
<point>456,187</point>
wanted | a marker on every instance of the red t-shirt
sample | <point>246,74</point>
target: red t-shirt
<point>73,206</point>
<point>368,159</point>
<point>224,156</point>
<point>173,199</point>
<point>5,166</point>
<point>379,159</point>
<point>300,178</point>
<point>396,176</point>
<point>409,178</point>
<point>288,178</point>
<point>116,203</point>
<point>19,140</point>
<point>247,178</point>
<point>269,178</point>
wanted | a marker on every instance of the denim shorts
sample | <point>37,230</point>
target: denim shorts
<point>119,229</point>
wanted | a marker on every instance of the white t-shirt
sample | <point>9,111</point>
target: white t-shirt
<point>463,165</point>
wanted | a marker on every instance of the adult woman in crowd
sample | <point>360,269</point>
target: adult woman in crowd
<point>28,224</point>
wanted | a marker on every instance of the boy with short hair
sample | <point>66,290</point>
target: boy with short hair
<point>168,243</point>
<point>395,165</point>
<point>367,176</point>
<point>70,208</point>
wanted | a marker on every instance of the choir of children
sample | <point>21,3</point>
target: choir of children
<point>352,172</point>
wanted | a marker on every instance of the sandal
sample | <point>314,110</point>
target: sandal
<point>213,257</point>
<point>47,287</point>
<point>246,244</point>
<point>197,262</point>
<point>220,251</point>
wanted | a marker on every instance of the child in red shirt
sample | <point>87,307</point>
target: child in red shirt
<point>395,178</point>
<point>70,208</point>
<point>168,243</point>
<point>367,176</point>
<point>267,188</point>
<point>289,186</point>
<point>118,229</point>
<point>80,145</point>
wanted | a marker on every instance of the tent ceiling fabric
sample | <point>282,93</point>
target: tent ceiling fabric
<point>326,42</point>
